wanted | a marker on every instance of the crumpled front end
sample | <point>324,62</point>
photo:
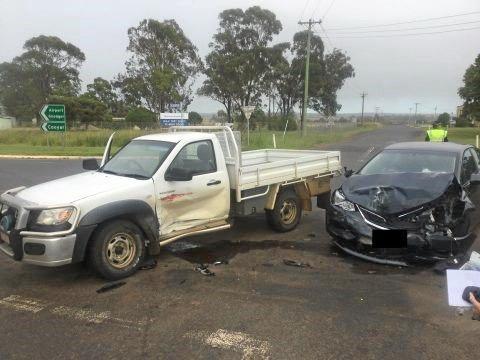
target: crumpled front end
<point>434,230</point>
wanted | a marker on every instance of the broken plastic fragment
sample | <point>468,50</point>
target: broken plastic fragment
<point>148,263</point>
<point>110,286</point>
<point>203,269</point>
<point>296,263</point>
<point>220,262</point>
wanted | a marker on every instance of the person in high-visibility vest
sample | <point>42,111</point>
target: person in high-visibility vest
<point>436,134</point>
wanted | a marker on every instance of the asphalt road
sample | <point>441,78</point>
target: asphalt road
<point>255,307</point>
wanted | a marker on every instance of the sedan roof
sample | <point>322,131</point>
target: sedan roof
<point>429,146</point>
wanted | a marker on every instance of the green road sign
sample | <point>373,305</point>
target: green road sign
<point>55,117</point>
<point>53,126</point>
<point>53,113</point>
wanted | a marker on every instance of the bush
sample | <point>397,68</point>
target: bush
<point>463,122</point>
<point>194,118</point>
<point>141,117</point>
<point>278,123</point>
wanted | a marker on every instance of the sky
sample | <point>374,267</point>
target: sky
<point>394,71</point>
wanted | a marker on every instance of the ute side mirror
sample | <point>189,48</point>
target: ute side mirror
<point>90,164</point>
<point>475,178</point>
<point>347,172</point>
<point>178,174</point>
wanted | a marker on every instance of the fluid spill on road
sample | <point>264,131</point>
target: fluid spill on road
<point>225,250</point>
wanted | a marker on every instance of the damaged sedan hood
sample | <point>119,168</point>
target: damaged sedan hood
<point>393,193</point>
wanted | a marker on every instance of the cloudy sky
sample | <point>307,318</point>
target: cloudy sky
<point>394,70</point>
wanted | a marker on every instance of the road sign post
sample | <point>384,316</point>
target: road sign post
<point>55,119</point>
<point>248,111</point>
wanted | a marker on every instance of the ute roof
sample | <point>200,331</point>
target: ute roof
<point>176,136</point>
<point>429,146</point>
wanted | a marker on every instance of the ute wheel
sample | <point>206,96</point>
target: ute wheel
<point>117,249</point>
<point>287,211</point>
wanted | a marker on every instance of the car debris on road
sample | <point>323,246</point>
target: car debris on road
<point>204,270</point>
<point>296,263</point>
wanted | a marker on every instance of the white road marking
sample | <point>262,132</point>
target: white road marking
<point>80,314</point>
<point>250,347</point>
<point>20,303</point>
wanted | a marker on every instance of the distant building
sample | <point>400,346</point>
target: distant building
<point>6,122</point>
<point>459,111</point>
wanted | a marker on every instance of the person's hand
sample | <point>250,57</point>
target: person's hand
<point>475,303</point>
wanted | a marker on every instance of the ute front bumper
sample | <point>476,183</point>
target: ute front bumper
<point>43,251</point>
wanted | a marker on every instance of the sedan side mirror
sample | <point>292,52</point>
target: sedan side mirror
<point>90,164</point>
<point>178,174</point>
<point>475,178</point>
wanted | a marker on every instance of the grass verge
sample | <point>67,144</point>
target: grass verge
<point>463,135</point>
<point>91,143</point>
<point>312,139</point>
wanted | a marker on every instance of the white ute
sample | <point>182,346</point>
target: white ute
<point>157,189</point>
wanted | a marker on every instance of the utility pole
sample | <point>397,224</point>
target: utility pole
<point>416,105</point>
<point>435,116</point>
<point>310,23</point>
<point>409,115</point>
<point>363,104</point>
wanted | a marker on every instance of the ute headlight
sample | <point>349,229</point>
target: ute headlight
<point>338,199</point>
<point>52,217</point>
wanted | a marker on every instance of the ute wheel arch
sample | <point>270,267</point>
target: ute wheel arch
<point>138,212</point>
<point>287,211</point>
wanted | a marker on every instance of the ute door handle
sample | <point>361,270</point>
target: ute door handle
<point>213,182</point>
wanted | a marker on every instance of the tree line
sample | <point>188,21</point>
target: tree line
<point>244,67</point>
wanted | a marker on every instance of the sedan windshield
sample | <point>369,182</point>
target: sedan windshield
<point>138,159</point>
<point>410,161</point>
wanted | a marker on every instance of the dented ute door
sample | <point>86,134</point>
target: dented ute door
<point>194,190</point>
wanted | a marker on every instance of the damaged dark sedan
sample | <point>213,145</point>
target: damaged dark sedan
<point>411,202</point>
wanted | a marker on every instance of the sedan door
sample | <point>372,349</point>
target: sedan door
<point>470,166</point>
<point>194,191</point>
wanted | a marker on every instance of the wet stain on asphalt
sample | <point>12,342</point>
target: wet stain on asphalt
<point>225,250</point>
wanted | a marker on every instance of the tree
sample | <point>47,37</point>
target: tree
<point>328,72</point>
<point>443,119</point>
<point>141,117</point>
<point>103,91</point>
<point>82,109</point>
<point>470,91</point>
<point>240,58</point>
<point>194,118</point>
<point>162,67</point>
<point>49,66</point>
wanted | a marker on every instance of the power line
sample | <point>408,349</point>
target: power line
<point>409,29</point>
<point>404,35</point>
<point>405,22</point>
<point>328,9</point>
<point>326,36</point>
<point>304,8</point>
<point>316,8</point>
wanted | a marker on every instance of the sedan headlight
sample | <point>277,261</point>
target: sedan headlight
<point>53,217</point>
<point>338,199</point>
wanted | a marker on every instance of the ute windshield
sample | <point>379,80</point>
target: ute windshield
<point>138,159</point>
<point>410,161</point>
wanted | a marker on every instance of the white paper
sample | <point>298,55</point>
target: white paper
<point>457,281</point>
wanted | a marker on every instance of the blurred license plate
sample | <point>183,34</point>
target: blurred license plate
<point>393,239</point>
